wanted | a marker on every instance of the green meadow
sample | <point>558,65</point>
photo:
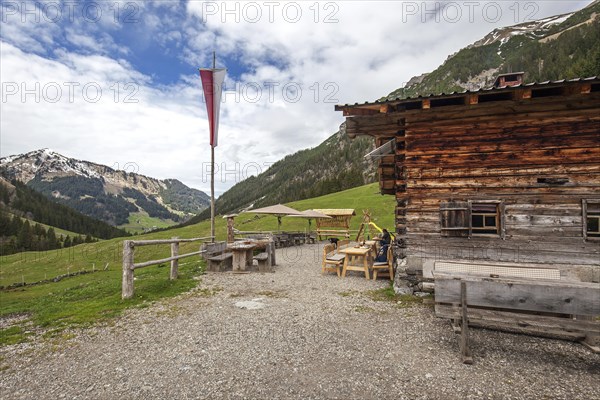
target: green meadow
<point>96,297</point>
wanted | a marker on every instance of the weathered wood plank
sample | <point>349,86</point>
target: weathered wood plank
<point>501,254</point>
<point>577,136</point>
<point>465,351</point>
<point>590,180</point>
<point>504,171</point>
<point>165,260</point>
<point>127,281</point>
<point>529,323</point>
<point>582,299</point>
<point>528,157</point>
<point>482,193</point>
<point>167,241</point>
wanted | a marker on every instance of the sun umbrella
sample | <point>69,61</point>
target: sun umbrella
<point>309,215</point>
<point>278,210</point>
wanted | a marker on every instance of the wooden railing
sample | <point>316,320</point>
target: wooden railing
<point>129,266</point>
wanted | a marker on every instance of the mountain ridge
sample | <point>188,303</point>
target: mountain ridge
<point>558,47</point>
<point>101,192</point>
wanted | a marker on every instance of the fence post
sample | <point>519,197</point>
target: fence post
<point>174,263</point>
<point>127,285</point>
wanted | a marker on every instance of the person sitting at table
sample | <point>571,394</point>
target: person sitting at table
<point>382,253</point>
<point>385,238</point>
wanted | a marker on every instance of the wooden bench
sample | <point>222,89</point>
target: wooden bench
<point>264,261</point>
<point>220,262</point>
<point>281,240</point>
<point>551,307</point>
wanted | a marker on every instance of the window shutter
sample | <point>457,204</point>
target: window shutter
<point>455,218</point>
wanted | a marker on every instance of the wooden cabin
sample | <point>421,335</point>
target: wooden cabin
<point>503,176</point>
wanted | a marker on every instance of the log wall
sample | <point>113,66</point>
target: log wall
<point>537,154</point>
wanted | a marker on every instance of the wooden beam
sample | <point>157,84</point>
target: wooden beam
<point>529,323</point>
<point>347,112</point>
<point>465,351</point>
<point>426,104</point>
<point>472,99</point>
<point>586,88</point>
<point>535,295</point>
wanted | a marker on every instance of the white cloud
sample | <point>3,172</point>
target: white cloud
<point>372,49</point>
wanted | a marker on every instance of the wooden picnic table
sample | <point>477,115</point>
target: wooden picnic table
<point>243,252</point>
<point>357,259</point>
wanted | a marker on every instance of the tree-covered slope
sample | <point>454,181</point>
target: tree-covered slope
<point>336,164</point>
<point>19,199</point>
<point>561,47</point>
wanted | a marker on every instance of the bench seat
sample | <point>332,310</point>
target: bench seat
<point>264,262</point>
<point>220,262</point>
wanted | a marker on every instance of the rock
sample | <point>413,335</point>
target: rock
<point>402,287</point>
<point>428,376</point>
<point>250,304</point>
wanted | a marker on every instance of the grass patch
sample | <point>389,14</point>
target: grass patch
<point>269,293</point>
<point>364,309</point>
<point>388,294</point>
<point>208,292</point>
<point>84,300</point>
<point>139,222</point>
<point>348,293</point>
<point>13,335</point>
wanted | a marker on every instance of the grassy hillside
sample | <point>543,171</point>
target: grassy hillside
<point>94,297</point>
<point>140,222</point>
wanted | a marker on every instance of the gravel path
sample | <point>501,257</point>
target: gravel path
<point>317,337</point>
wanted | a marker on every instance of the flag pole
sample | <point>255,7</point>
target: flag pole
<point>212,178</point>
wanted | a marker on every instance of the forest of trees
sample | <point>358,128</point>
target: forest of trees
<point>26,202</point>
<point>18,235</point>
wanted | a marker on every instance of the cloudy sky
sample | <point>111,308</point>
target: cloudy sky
<point>116,82</point>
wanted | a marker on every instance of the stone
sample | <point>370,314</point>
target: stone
<point>255,304</point>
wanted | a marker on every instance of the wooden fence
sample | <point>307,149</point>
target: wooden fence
<point>129,266</point>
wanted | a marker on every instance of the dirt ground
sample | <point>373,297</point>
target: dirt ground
<point>310,337</point>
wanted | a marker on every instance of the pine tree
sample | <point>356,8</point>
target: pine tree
<point>52,241</point>
<point>25,237</point>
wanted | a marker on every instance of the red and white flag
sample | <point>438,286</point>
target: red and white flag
<point>212,83</point>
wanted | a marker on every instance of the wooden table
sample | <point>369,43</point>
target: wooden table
<point>242,255</point>
<point>373,244</point>
<point>360,254</point>
<point>243,252</point>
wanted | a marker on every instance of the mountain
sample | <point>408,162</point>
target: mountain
<point>336,164</point>
<point>113,196</point>
<point>560,47</point>
<point>23,211</point>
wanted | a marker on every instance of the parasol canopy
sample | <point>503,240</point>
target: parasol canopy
<point>279,210</point>
<point>309,215</point>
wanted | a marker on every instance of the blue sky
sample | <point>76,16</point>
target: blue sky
<point>116,82</point>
